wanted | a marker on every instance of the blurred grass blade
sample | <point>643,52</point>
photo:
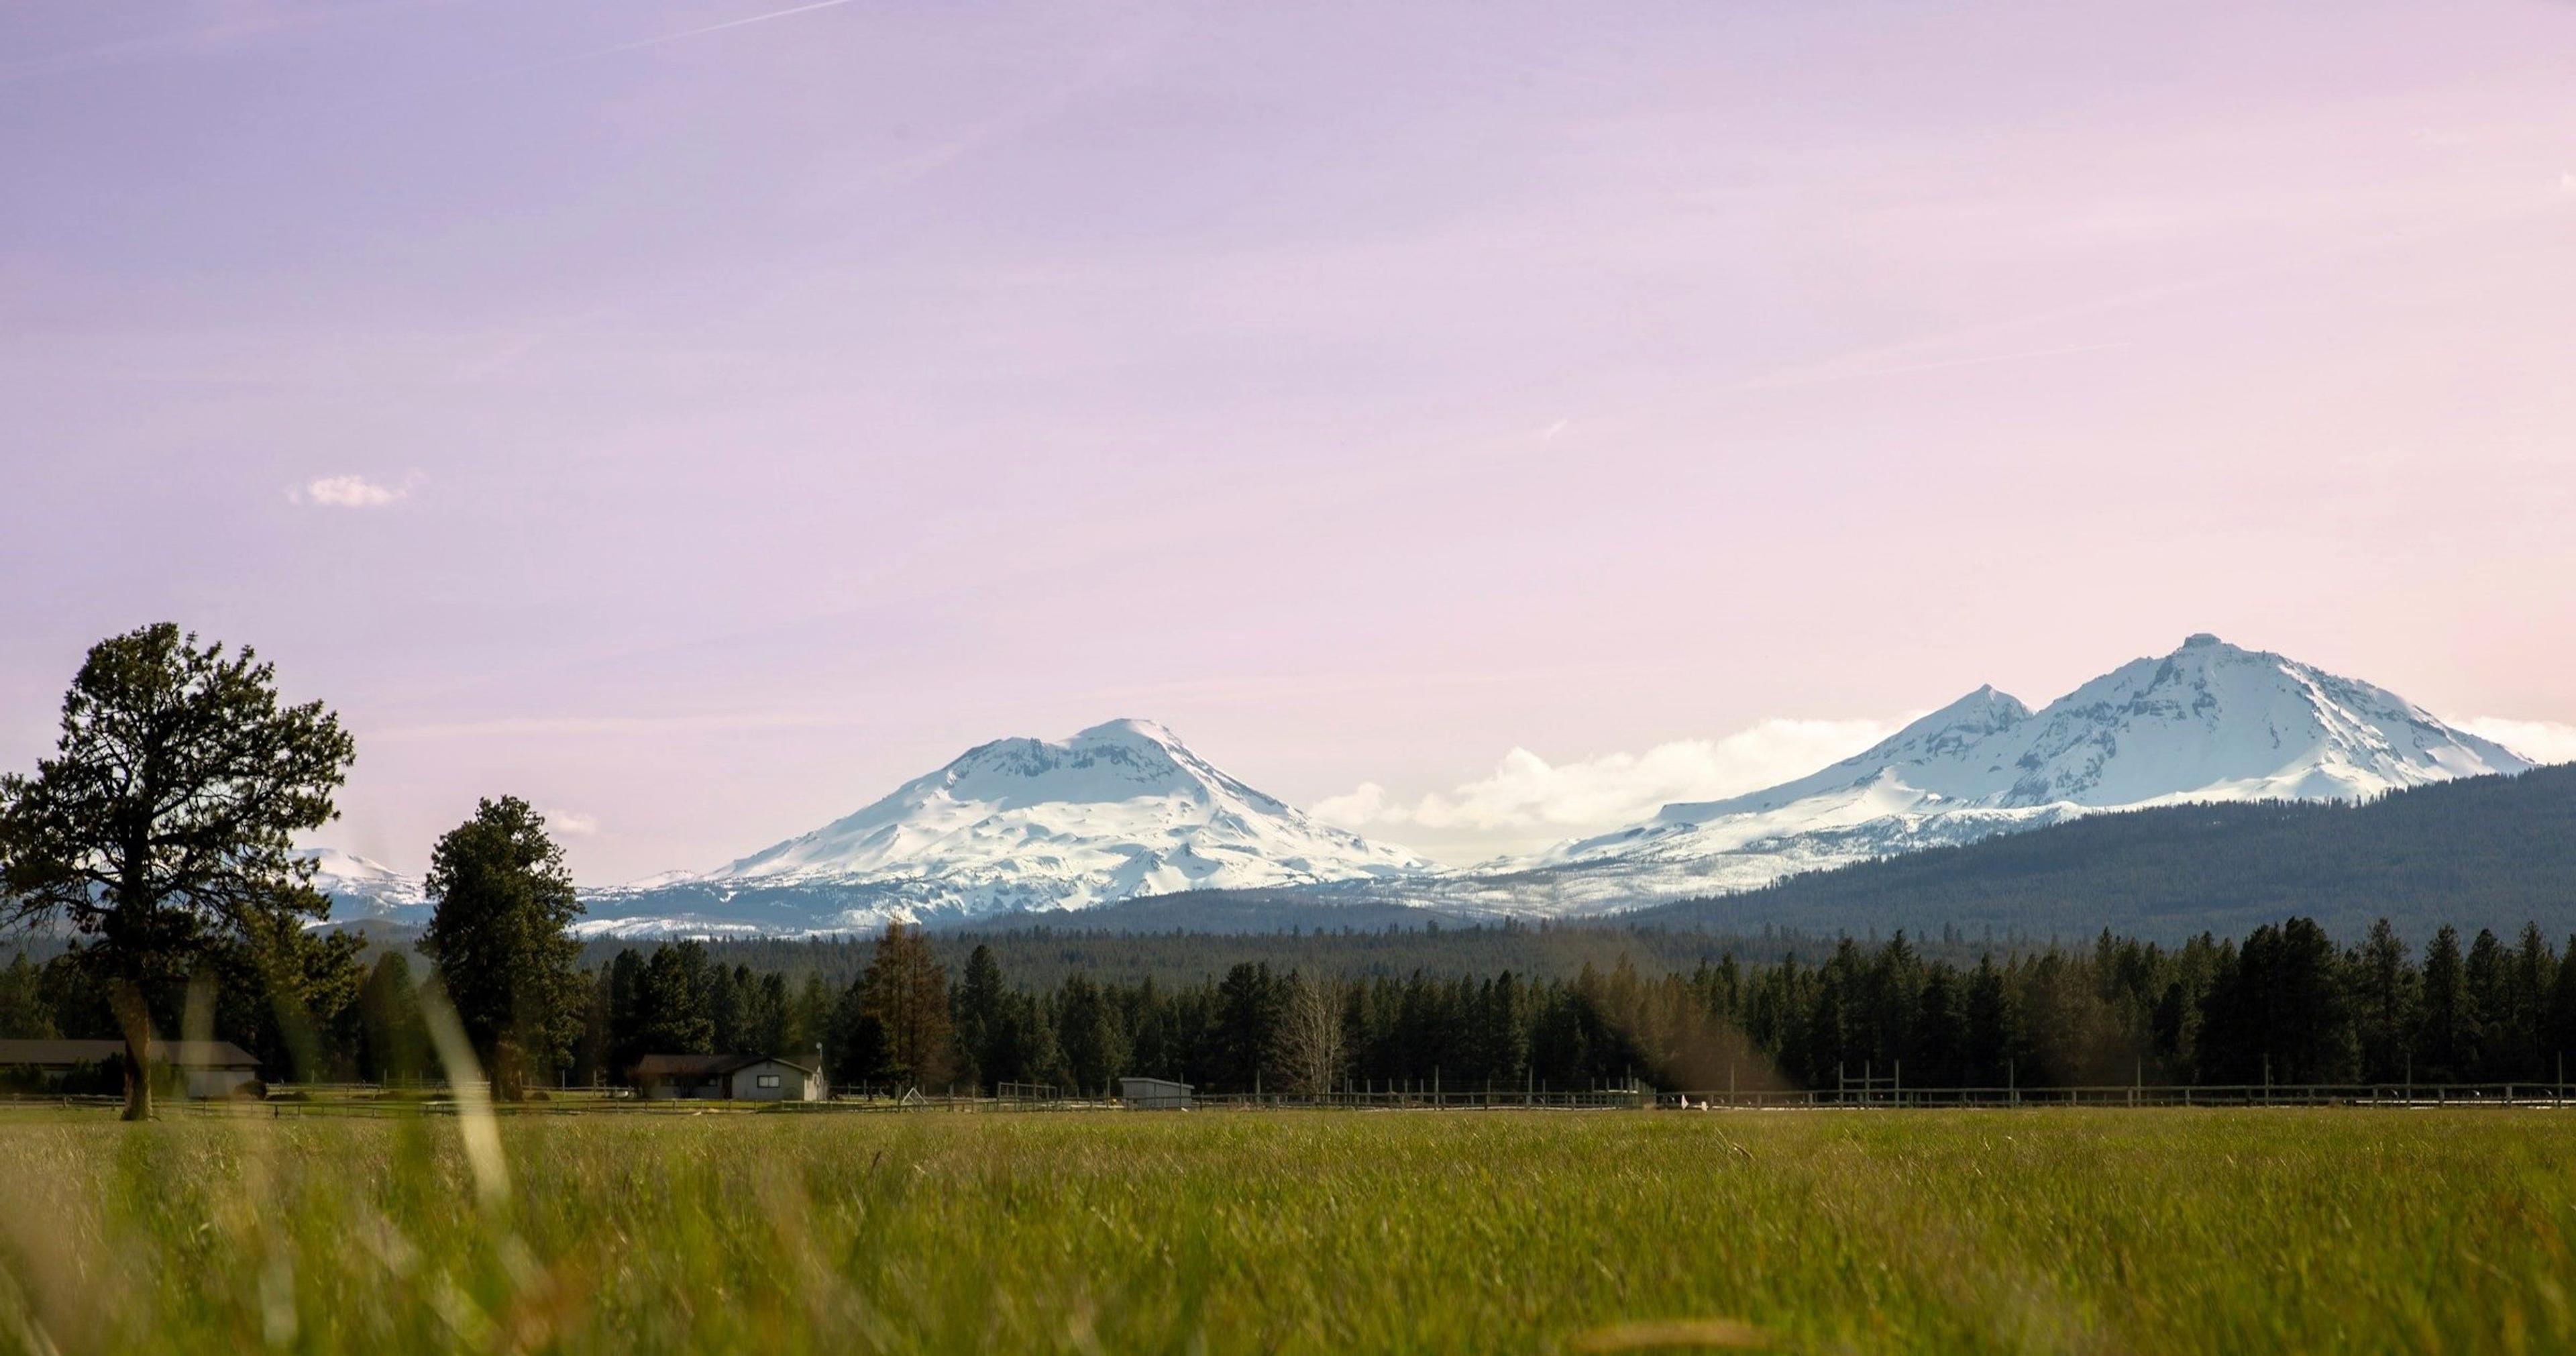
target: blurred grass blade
<point>473,1098</point>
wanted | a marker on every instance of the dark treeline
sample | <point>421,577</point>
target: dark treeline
<point>1044,957</point>
<point>2287,1002</point>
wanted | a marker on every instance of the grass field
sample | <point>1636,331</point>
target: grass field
<point>2150,1231</point>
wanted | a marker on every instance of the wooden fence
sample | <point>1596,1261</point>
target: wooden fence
<point>371,1100</point>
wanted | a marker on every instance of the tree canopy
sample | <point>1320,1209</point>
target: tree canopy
<point>164,825</point>
<point>501,938</point>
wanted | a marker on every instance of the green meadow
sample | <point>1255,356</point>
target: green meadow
<point>2012,1231</point>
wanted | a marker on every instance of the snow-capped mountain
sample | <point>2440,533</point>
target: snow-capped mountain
<point>1118,811</point>
<point>360,888</point>
<point>1123,811</point>
<point>2208,722</point>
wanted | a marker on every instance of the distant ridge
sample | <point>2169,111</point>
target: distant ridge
<point>2492,852</point>
<point>1120,811</point>
<point>2209,722</point>
<point>1125,812</point>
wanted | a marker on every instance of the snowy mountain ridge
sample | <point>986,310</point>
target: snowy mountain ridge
<point>360,888</point>
<point>2208,722</point>
<point>1125,810</point>
<point>1118,811</point>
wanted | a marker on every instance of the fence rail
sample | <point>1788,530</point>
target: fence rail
<point>371,1099</point>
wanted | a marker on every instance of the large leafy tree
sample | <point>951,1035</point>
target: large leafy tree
<point>164,825</point>
<point>501,936</point>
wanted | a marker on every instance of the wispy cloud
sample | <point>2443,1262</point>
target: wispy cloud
<point>352,492</point>
<point>1526,792</point>
<point>572,823</point>
<point>2547,741</point>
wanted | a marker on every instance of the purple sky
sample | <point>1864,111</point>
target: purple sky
<point>699,422</point>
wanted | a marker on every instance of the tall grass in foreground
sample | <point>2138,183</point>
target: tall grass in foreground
<point>2217,1231</point>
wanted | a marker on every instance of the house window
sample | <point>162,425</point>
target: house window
<point>767,1080</point>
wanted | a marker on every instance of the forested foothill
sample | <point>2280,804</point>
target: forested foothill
<point>2481,852</point>
<point>2288,1004</point>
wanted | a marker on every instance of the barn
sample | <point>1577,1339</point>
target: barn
<point>206,1068</point>
<point>740,1078</point>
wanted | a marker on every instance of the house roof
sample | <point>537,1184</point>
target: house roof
<point>706,1066</point>
<point>185,1054</point>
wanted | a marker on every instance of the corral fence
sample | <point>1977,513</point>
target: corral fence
<point>2393,1095</point>
<point>289,1100</point>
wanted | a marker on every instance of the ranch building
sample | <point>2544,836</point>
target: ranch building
<point>740,1078</point>
<point>206,1068</point>
<point>1153,1094</point>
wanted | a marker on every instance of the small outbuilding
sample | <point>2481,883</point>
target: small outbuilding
<point>1153,1094</point>
<point>206,1068</point>
<point>740,1078</point>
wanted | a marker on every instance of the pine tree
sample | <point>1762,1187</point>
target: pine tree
<point>501,937</point>
<point>671,1007</point>
<point>809,1016</point>
<point>1247,1018</point>
<point>2532,969</point>
<point>1091,1035</point>
<point>2447,1048</point>
<point>164,825</point>
<point>1936,1047</point>
<point>2490,1007</point>
<point>627,1039</point>
<point>764,1014</point>
<point>23,1015</point>
<point>2390,999</point>
<point>2558,1028</point>
<point>906,991</point>
<point>395,1043</point>
<point>980,1020</point>
<point>1994,1026</point>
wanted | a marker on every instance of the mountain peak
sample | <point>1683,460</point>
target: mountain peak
<point>1118,810</point>
<point>1132,729</point>
<point>1984,709</point>
<point>2208,722</point>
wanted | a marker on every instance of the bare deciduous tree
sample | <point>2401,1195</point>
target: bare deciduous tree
<point>1312,1048</point>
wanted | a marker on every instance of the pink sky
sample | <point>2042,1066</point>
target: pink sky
<point>699,422</point>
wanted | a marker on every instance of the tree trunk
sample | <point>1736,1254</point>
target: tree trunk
<point>138,1066</point>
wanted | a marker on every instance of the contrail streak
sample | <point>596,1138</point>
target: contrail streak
<point>743,22</point>
<point>550,63</point>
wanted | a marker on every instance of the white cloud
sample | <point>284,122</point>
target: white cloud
<point>572,823</point>
<point>351,492</point>
<point>2546,741</point>
<point>1526,792</point>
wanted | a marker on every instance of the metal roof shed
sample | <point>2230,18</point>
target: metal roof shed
<point>1153,1094</point>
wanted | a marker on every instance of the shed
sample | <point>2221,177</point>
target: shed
<point>740,1078</point>
<point>1153,1094</point>
<point>206,1068</point>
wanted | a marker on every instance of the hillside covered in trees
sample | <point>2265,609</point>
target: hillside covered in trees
<point>2486,852</point>
<point>2288,1002</point>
